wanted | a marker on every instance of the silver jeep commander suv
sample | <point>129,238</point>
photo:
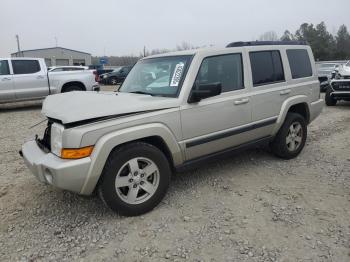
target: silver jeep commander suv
<point>174,110</point>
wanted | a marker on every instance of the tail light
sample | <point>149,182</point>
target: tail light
<point>97,77</point>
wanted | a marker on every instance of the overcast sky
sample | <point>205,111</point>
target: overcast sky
<point>115,27</point>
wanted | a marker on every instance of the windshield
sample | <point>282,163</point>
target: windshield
<point>160,76</point>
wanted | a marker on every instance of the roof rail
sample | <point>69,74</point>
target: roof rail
<point>255,43</point>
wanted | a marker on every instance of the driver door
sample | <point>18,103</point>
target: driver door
<point>217,123</point>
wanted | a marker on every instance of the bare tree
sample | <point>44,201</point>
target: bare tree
<point>130,60</point>
<point>184,46</point>
<point>287,36</point>
<point>269,36</point>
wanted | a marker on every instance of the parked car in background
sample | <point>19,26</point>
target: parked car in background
<point>343,71</point>
<point>339,89</point>
<point>66,68</point>
<point>28,78</point>
<point>116,77</point>
<point>324,71</point>
<point>104,71</point>
<point>173,111</point>
<point>104,75</point>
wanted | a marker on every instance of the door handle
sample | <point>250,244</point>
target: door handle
<point>5,79</point>
<point>241,101</point>
<point>285,92</point>
<point>40,77</point>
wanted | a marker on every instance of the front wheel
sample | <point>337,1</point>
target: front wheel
<point>135,179</point>
<point>290,139</point>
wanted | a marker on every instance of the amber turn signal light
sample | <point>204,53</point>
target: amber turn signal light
<point>76,153</point>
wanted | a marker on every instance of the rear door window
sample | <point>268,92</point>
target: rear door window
<point>25,66</point>
<point>266,67</point>
<point>299,63</point>
<point>4,67</point>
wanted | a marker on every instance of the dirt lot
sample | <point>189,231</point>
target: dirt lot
<point>250,207</point>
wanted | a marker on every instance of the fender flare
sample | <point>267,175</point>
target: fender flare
<point>287,104</point>
<point>108,142</point>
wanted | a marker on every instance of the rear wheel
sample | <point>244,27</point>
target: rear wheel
<point>135,179</point>
<point>330,101</point>
<point>113,81</point>
<point>72,88</point>
<point>290,139</point>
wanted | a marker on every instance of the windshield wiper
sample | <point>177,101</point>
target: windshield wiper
<point>142,93</point>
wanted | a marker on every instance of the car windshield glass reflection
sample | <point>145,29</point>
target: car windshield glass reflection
<point>161,76</point>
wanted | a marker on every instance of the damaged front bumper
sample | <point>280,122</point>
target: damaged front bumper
<point>50,169</point>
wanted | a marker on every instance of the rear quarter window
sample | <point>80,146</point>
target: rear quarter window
<point>25,66</point>
<point>299,63</point>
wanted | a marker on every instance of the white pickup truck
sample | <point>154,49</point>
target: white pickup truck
<point>28,79</point>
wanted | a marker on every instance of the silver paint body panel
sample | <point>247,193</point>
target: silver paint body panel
<point>189,130</point>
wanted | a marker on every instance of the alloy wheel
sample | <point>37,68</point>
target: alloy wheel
<point>137,180</point>
<point>294,137</point>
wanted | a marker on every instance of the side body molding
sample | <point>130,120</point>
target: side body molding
<point>109,141</point>
<point>288,103</point>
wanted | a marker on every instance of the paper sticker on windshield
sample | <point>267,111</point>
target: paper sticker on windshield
<point>177,74</point>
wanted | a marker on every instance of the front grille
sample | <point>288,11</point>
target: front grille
<point>45,142</point>
<point>341,86</point>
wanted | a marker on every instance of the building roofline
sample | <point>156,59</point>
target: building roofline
<point>50,48</point>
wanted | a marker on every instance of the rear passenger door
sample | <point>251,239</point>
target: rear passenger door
<point>30,79</point>
<point>7,92</point>
<point>218,122</point>
<point>269,89</point>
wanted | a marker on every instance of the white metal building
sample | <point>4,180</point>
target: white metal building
<point>55,56</point>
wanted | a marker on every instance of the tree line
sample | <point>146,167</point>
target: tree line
<point>325,46</point>
<point>132,59</point>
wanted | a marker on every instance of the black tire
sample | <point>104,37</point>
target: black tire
<point>117,159</point>
<point>113,81</point>
<point>328,98</point>
<point>279,145</point>
<point>72,88</point>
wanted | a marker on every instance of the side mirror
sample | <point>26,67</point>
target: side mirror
<point>203,91</point>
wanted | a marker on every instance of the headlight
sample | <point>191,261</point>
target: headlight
<point>56,138</point>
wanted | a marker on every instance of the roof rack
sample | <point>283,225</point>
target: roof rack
<point>255,43</point>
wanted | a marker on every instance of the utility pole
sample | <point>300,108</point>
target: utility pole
<point>56,41</point>
<point>18,47</point>
<point>144,51</point>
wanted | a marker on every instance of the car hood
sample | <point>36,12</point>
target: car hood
<point>73,107</point>
<point>345,69</point>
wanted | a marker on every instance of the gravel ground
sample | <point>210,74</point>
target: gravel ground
<point>250,207</point>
